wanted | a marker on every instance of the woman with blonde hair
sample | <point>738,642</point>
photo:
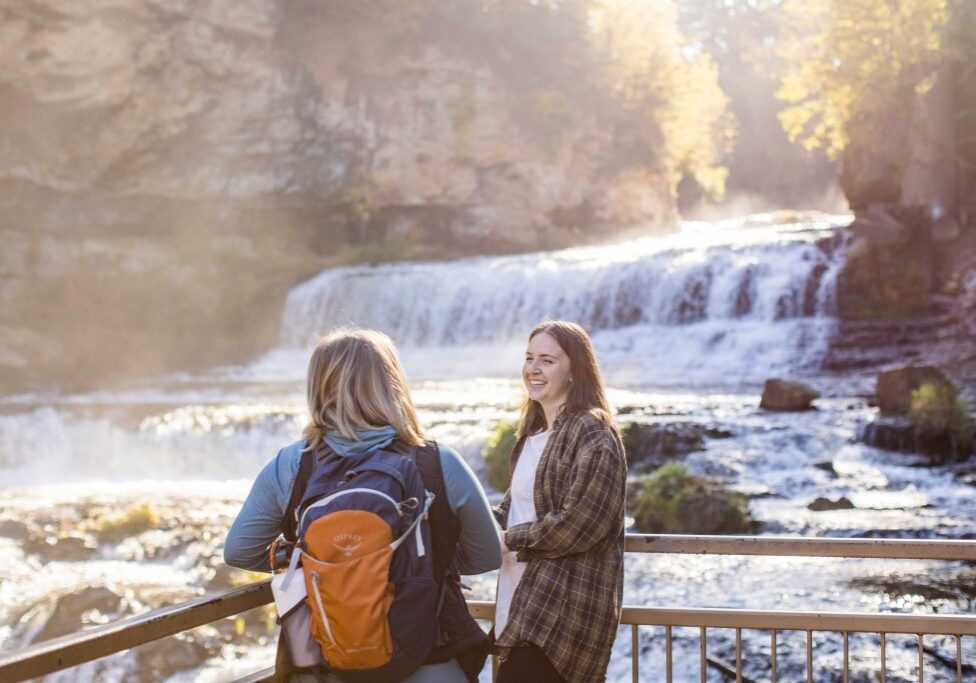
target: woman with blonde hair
<point>561,581</point>
<point>359,403</point>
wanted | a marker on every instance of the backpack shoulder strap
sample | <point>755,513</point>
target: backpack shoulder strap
<point>289,524</point>
<point>444,524</point>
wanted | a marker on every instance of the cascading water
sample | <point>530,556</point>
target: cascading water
<point>718,304</point>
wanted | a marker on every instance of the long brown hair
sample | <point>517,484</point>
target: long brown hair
<point>586,393</point>
<point>356,383</point>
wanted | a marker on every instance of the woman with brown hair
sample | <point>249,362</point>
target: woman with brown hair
<point>561,581</point>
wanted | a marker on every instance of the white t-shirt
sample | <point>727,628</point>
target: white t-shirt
<point>521,510</point>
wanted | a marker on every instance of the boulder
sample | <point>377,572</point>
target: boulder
<point>12,528</point>
<point>787,395</point>
<point>672,501</point>
<point>60,549</point>
<point>894,387</point>
<point>649,446</point>
<point>821,504</point>
<point>168,656</point>
<point>69,612</point>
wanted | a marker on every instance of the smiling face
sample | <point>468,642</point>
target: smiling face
<point>546,373</point>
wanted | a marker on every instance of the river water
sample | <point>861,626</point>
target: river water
<point>687,326</point>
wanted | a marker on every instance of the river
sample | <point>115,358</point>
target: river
<point>687,326</point>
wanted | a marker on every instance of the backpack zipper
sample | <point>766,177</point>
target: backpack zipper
<point>318,600</point>
<point>330,498</point>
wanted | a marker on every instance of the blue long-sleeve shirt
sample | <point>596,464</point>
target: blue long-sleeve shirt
<point>259,521</point>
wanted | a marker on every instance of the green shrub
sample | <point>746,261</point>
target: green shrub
<point>497,454</point>
<point>938,410</point>
<point>672,501</point>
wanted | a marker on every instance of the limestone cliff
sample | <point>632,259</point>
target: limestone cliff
<point>169,163</point>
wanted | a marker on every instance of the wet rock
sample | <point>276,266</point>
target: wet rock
<point>60,549</point>
<point>826,466</point>
<point>178,653</point>
<point>672,501</point>
<point>69,612</point>
<point>718,433</point>
<point>12,528</point>
<point>894,387</point>
<point>223,577</point>
<point>822,504</point>
<point>787,395</point>
<point>651,445</point>
<point>902,435</point>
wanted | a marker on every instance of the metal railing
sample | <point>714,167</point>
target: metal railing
<point>71,650</point>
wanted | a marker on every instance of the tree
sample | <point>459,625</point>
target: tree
<point>849,63</point>
<point>653,71</point>
<point>742,37</point>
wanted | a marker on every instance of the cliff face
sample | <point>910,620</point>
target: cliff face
<point>166,163</point>
<point>242,100</point>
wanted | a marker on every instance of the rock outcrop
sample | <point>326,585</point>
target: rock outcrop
<point>673,501</point>
<point>895,387</point>
<point>166,167</point>
<point>787,395</point>
<point>648,446</point>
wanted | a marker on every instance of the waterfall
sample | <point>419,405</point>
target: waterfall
<point>742,290</point>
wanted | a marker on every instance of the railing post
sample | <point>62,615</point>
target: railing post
<point>634,651</point>
<point>667,659</point>
<point>884,664</point>
<point>958,659</point>
<point>738,655</point>
<point>809,656</point>
<point>921,659</point>
<point>846,655</point>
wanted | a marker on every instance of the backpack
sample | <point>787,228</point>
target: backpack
<point>363,552</point>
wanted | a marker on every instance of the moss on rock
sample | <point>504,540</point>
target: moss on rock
<point>112,526</point>
<point>497,453</point>
<point>939,413</point>
<point>673,501</point>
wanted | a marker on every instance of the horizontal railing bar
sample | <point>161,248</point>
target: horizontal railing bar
<point>77,648</point>
<point>860,622</point>
<point>786,546</point>
<point>262,676</point>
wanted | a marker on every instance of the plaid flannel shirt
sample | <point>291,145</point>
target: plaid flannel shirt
<point>568,600</point>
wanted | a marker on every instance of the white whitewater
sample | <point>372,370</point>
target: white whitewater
<point>708,304</point>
